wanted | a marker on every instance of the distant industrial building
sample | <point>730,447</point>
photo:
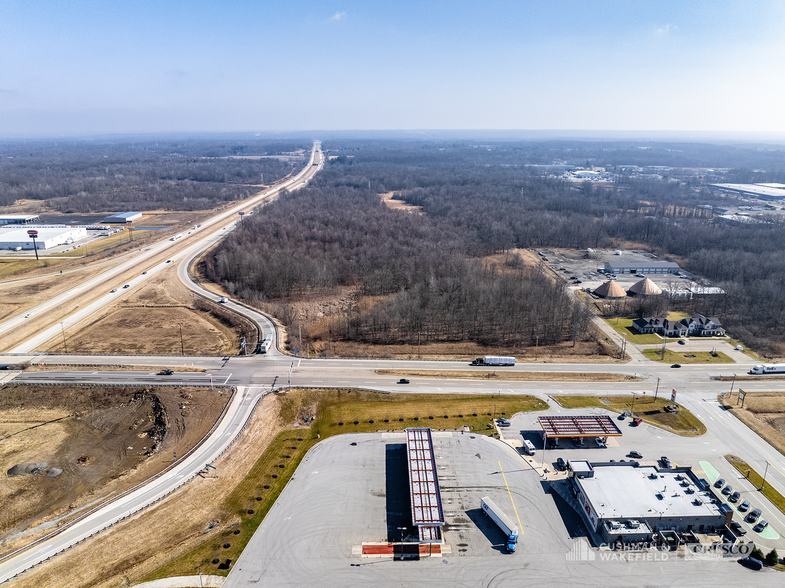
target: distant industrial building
<point>631,502</point>
<point>123,217</point>
<point>18,219</point>
<point>622,266</point>
<point>48,237</point>
<point>761,191</point>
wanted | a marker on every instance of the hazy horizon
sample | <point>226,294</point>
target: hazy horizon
<point>630,70</point>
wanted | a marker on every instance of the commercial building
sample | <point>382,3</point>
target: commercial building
<point>760,191</point>
<point>18,219</point>
<point>622,266</point>
<point>48,236</point>
<point>631,502</point>
<point>123,217</point>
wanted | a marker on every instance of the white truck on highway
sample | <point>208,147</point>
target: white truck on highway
<point>493,360</point>
<point>769,368</point>
<point>502,521</point>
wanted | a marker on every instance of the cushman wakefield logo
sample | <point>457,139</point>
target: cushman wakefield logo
<point>646,552</point>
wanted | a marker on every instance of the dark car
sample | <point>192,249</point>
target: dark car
<point>734,497</point>
<point>166,372</point>
<point>561,465</point>
<point>719,483</point>
<point>622,416</point>
<point>753,516</point>
<point>727,490</point>
<point>737,529</point>
<point>403,381</point>
<point>682,342</point>
<point>751,563</point>
<point>503,422</point>
<point>635,454</point>
<point>666,462</point>
<point>760,526</point>
<point>676,365</point>
<point>637,421</point>
<point>127,286</point>
<point>744,505</point>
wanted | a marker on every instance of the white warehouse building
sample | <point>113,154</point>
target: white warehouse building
<point>48,237</point>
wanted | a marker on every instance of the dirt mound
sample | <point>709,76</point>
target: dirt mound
<point>110,439</point>
<point>25,469</point>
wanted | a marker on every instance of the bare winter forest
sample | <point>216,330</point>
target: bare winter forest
<point>98,176</point>
<point>425,271</point>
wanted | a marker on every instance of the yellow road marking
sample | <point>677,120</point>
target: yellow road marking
<point>520,527</point>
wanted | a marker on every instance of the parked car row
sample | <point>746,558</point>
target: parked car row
<point>751,518</point>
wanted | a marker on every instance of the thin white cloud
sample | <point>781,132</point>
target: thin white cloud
<point>666,30</point>
<point>337,16</point>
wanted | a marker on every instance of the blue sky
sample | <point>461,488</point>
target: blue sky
<point>86,67</point>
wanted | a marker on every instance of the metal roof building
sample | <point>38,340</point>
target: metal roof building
<point>426,501</point>
<point>18,219</point>
<point>48,237</point>
<point>123,217</point>
<point>621,266</point>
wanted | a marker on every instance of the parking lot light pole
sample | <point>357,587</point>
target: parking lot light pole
<point>763,485</point>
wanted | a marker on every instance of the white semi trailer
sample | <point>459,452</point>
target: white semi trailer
<point>493,360</point>
<point>509,528</point>
<point>769,368</point>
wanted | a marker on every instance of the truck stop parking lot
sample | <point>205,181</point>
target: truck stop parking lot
<point>347,491</point>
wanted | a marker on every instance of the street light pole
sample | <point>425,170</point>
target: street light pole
<point>657,390</point>
<point>64,342</point>
<point>762,486</point>
<point>182,345</point>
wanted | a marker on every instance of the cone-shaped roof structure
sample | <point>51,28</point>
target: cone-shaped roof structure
<point>645,288</point>
<point>610,289</point>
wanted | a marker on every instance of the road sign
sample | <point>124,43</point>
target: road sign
<point>742,395</point>
<point>32,233</point>
<point>673,395</point>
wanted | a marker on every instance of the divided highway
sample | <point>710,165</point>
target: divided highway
<point>137,262</point>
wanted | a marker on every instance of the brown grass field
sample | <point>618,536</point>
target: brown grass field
<point>763,412</point>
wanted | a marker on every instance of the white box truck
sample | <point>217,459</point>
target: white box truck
<point>769,368</point>
<point>493,360</point>
<point>509,529</point>
<point>528,447</point>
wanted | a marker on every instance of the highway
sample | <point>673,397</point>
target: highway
<point>138,262</point>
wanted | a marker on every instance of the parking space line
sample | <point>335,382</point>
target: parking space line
<point>520,527</point>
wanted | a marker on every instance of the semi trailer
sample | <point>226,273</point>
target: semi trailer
<point>769,368</point>
<point>493,360</point>
<point>509,529</point>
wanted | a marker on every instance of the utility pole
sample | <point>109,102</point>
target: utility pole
<point>182,345</point>
<point>657,390</point>
<point>290,376</point>
<point>731,386</point>
<point>64,343</point>
<point>300,327</point>
<point>418,345</point>
<point>762,486</point>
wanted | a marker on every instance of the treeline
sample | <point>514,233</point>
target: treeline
<point>89,176</point>
<point>428,286</point>
<point>480,200</point>
<point>498,207</point>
